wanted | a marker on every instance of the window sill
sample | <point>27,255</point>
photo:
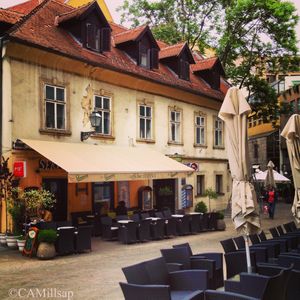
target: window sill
<point>175,143</point>
<point>219,147</point>
<point>55,132</point>
<point>200,146</point>
<point>200,196</point>
<point>220,194</point>
<point>102,136</point>
<point>145,141</point>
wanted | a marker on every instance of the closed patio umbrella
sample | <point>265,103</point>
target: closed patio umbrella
<point>234,112</point>
<point>291,133</point>
<point>270,181</point>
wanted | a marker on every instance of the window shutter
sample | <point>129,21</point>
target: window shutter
<point>187,70</point>
<point>105,39</point>
<point>154,58</point>
<point>184,70</point>
<point>89,35</point>
<point>97,39</point>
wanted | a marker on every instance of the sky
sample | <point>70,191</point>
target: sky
<point>113,4</point>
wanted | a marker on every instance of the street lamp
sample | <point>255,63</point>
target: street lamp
<point>95,119</point>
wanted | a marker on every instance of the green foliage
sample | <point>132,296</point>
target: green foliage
<point>220,215</point>
<point>172,21</point>
<point>201,207</point>
<point>34,199</point>
<point>210,193</point>
<point>16,208</point>
<point>247,35</point>
<point>47,236</point>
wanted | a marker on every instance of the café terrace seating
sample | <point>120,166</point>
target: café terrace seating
<point>165,277</point>
<point>155,225</point>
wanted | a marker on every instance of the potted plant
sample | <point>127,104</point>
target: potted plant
<point>220,221</point>
<point>21,242</point>
<point>211,194</point>
<point>16,209</point>
<point>35,199</point>
<point>201,207</point>
<point>46,247</point>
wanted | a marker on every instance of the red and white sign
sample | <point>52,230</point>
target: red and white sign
<point>20,169</point>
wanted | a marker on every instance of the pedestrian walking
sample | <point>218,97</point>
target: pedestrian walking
<point>271,202</point>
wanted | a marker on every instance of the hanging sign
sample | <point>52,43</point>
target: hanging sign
<point>20,169</point>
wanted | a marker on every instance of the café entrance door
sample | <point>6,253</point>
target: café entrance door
<point>164,191</point>
<point>58,187</point>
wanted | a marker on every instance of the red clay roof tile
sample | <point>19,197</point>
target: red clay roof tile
<point>39,29</point>
<point>10,17</point>
<point>129,35</point>
<point>204,64</point>
<point>171,51</point>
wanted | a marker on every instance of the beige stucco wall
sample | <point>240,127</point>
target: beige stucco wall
<point>25,118</point>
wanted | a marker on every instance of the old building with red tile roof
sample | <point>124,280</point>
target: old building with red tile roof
<point>64,65</point>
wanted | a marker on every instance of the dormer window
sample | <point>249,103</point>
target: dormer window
<point>178,58</point>
<point>210,70</point>
<point>140,45</point>
<point>97,39</point>
<point>89,26</point>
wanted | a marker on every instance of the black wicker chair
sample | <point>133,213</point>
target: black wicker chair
<point>217,257</point>
<point>259,286</point>
<point>83,239</point>
<point>143,230</point>
<point>127,233</point>
<point>109,230</point>
<point>65,241</point>
<point>220,295</point>
<point>181,256</point>
<point>158,229</point>
<point>154,273</point>
<point>195,222</point>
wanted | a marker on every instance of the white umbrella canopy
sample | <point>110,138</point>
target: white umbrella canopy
<point>278,178</point>
<point>291,133</point>
<point>270,181</point>
<point>234,112</point>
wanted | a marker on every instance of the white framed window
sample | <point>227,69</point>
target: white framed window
<point>200,129</point>
<point>175,126</point>
<point>55,107</point>
<point>102,104</point>
<point>218,132</point>
<point>145,121</point>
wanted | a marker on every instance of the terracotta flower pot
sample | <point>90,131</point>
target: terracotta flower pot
<point>46,251</point>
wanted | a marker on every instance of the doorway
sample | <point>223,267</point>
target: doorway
<point>58,187</point>
<point>164,191</point>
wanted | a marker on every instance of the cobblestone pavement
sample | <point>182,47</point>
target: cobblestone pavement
<point>96,275</point>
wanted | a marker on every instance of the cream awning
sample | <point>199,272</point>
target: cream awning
<point>92,163</point>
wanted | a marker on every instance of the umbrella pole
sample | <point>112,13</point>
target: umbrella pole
<point>249,268</point>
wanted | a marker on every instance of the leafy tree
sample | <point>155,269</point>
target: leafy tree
<point>173,21</point>
<point>247,35</point>
<point>211,194</point>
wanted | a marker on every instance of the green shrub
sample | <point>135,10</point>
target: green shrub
<point>220,215</point>
<point>201,207</point>
<point>47,236</point>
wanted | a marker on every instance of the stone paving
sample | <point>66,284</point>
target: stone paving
<point>96,275</point>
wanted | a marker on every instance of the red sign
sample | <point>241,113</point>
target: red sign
<point>20,168</point>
